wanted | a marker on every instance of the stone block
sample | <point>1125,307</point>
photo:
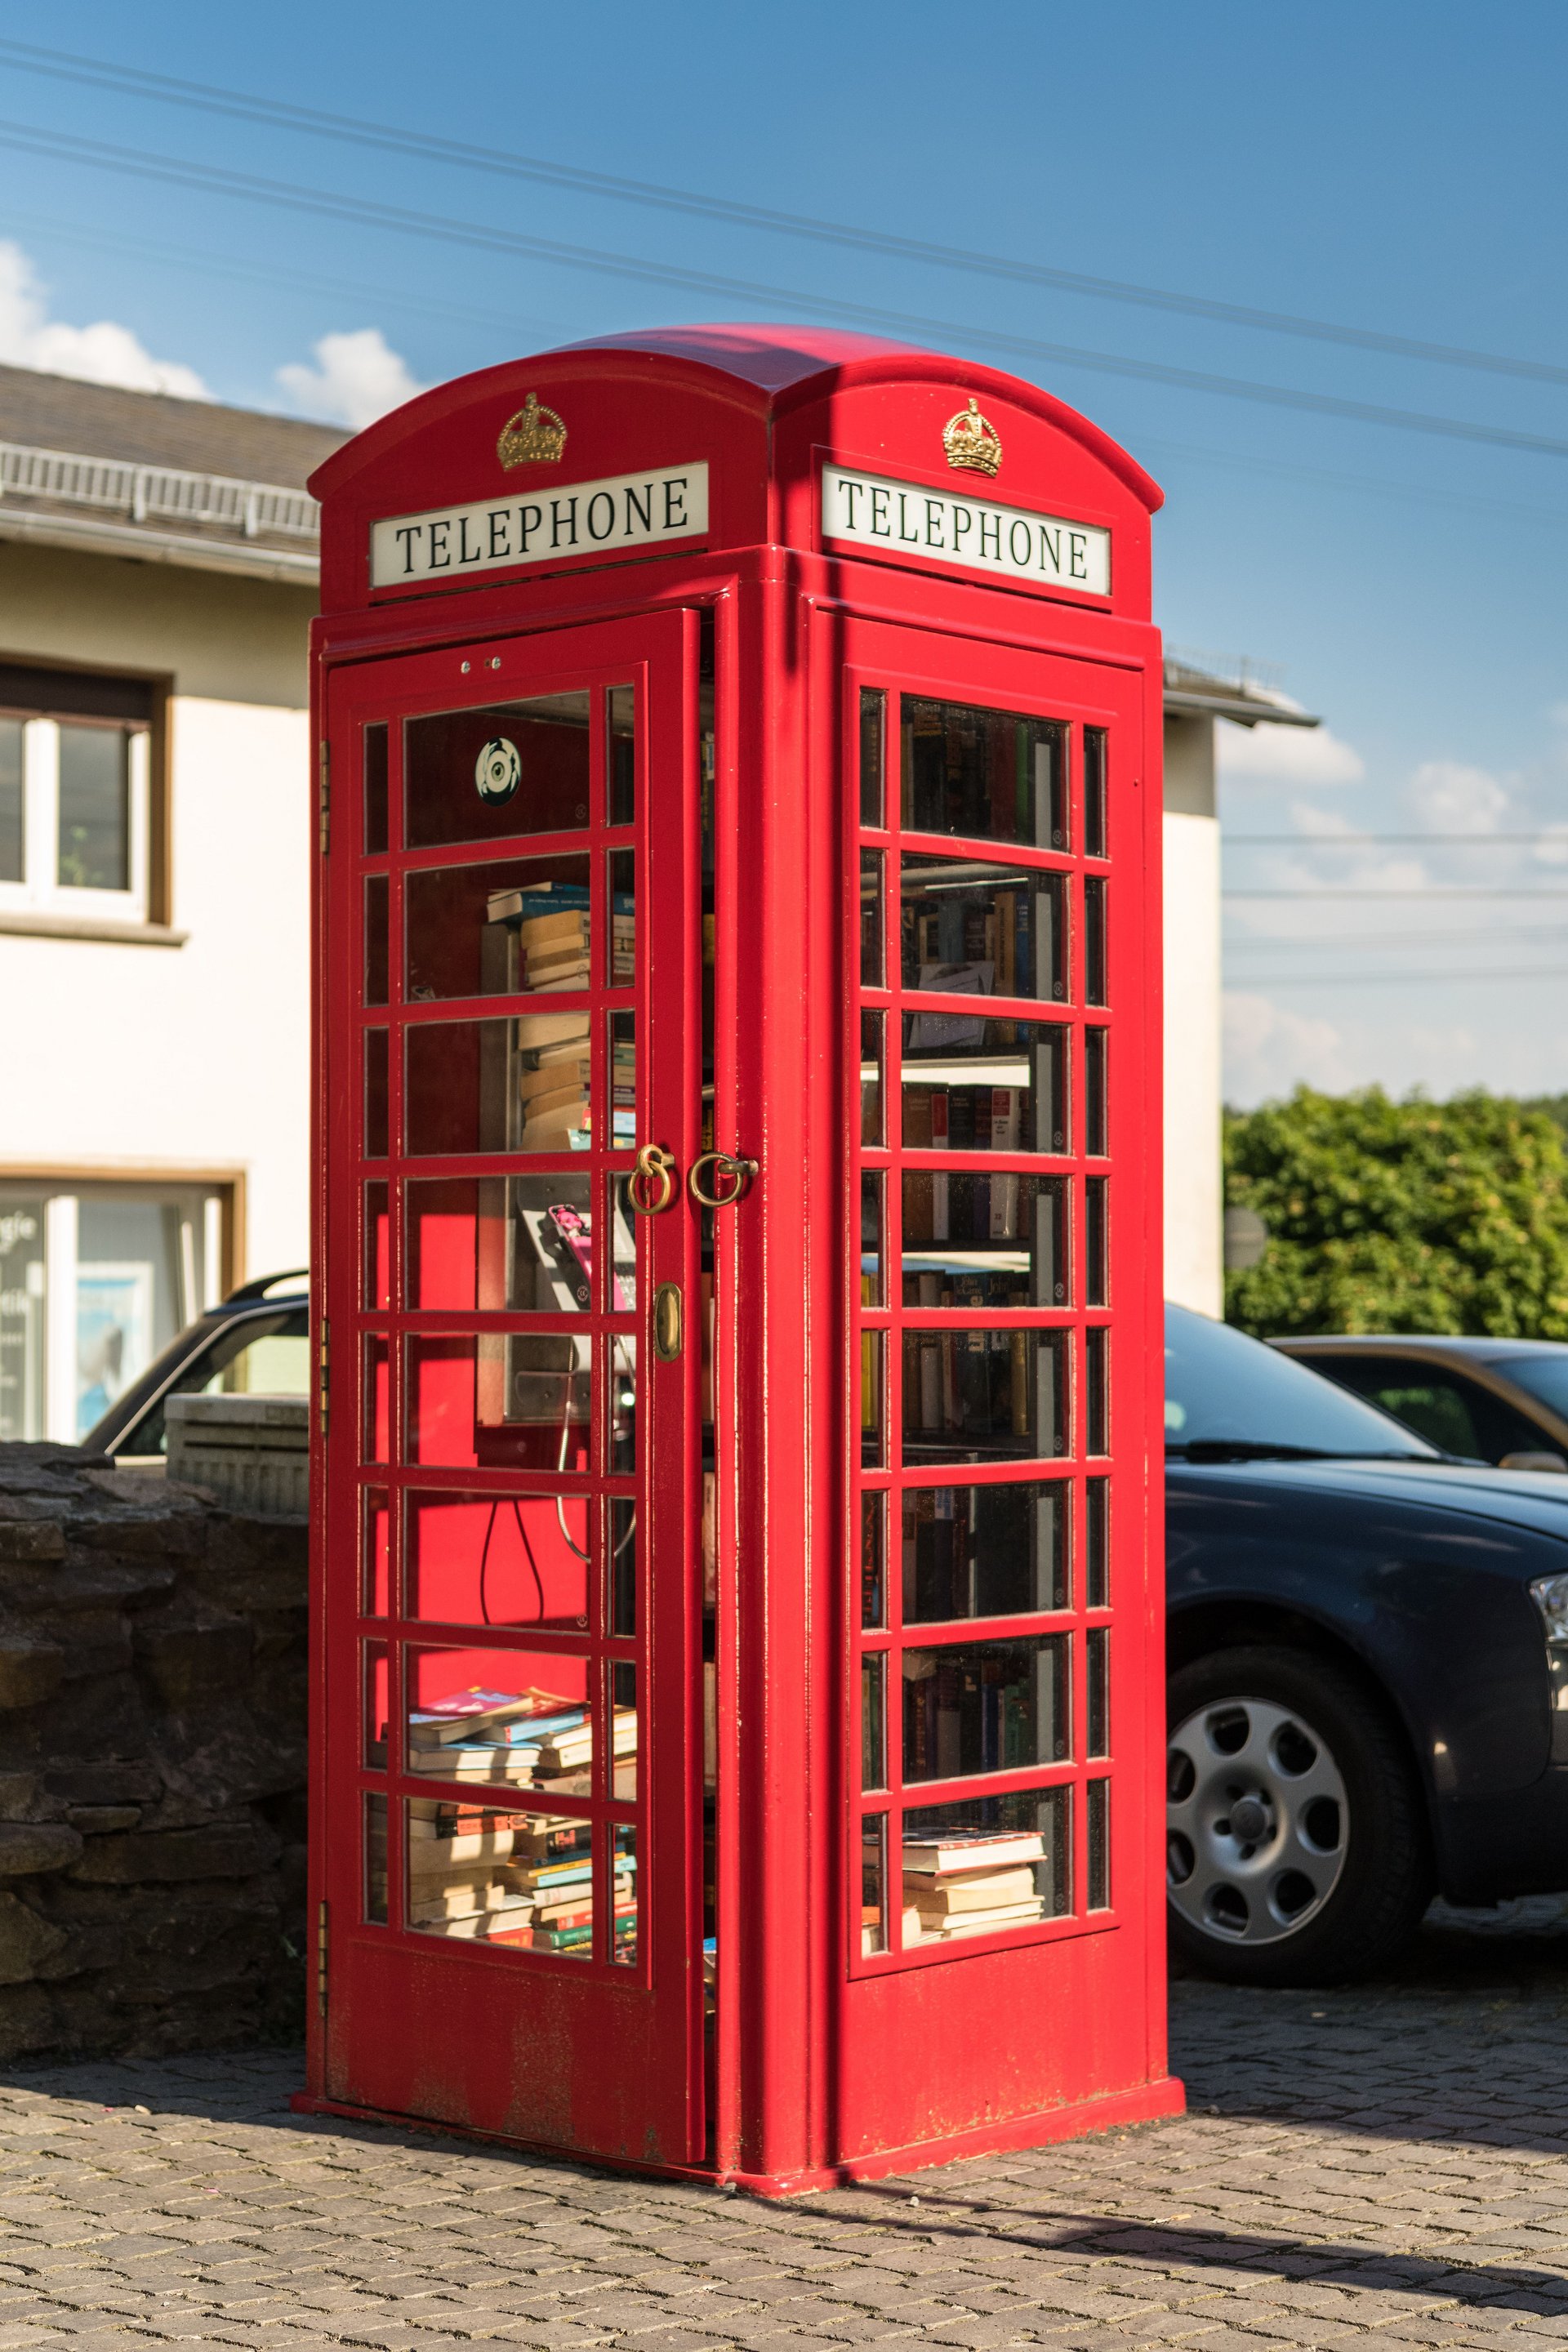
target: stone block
<point>220,1851</point>
<point>19,1797</point>
<point>27,1942</point>
<point>116,1782</point>
<point>189,1664</point>
<point>26,2021</point>
<point>30,1672</point>
<point>27,1539</point>
<point>97,1820</point>
<point>29,1846</point>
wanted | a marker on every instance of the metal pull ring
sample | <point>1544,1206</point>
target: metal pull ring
<point>736,1173</point>
<point>652,1183</point>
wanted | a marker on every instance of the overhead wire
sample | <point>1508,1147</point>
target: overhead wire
<point>212,179</point>
<point>249,106</point>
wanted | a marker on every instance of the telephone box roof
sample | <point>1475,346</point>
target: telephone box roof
<point>779,367</point>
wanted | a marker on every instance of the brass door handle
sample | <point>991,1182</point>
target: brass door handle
<point>653,1181</point>
<point>667,1322</point>
<point>736,1172</point>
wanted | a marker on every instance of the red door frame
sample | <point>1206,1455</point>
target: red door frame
<point>626,2076</point>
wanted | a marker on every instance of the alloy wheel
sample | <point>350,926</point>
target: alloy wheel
<point>1256,1821</point>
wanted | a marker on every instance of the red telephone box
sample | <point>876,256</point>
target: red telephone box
<point>737,1551</point>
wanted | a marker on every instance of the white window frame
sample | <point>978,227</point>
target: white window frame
<point>42,891</point>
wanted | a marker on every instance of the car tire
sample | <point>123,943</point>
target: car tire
<point>1325,1869</point>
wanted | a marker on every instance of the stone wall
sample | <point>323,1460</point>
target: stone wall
<point>152,1696</point>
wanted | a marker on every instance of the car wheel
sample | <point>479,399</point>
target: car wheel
<point>1296,1837</point>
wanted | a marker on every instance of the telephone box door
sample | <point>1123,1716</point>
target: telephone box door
<point>512,1097</point>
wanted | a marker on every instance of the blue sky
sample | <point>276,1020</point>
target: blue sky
<point>1397,170</point>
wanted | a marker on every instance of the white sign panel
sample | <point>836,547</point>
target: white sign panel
<point>619,517</point>
<point>949,528</point>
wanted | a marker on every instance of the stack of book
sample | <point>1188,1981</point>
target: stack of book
<point>972,1883</point>
<point>530,1740</point>
<point>554,1081</point>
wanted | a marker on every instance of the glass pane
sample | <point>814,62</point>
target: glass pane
<point>1097,1695</point>
<point>1094,941</point>
<point>95,808</point>
<point>873,1710</point>
<point>374,1882</point>
<point>624,1856</point>
<point>1097,1397</point>
<point>377,1247</point>
<point>983,1240</point>
<point>984,1551</point>
<point>22,1304</point>
<point>1095,1047</point>
<point>375,965</point>
<point>486,774</point>
<point>624,1729</point>
<point>974,929</point>
<point>987,774</point>
<point>623,1403</point>
<point>622,1517</point>
<point>13,836</point>
<point>506,1559</point>
<point>872,973</point>
<point>517,1716</point>
<point>873,752</point>
<point>984,1396</point>
<point>520,1881</point>
<point>985,1706</point>
<point>1094,834</point>
<point>873,1559</point>
<point>999,1087</point>
<point>623,754</point>
<point>623,1084</point>
<point>625,1229</point>
<point>1094,1242</point>
<point>523,1084</point>
<point>623,968</point>
<point>986,1865</point>
<point>376,1599</point>
<point>375,1410</point>
<point>871,1227</point>
<point>871,1078</point>
<point>1097,1543</point>
<point>502,928</point>
<point>505,1400</point>
<point>514,1244</point>
<point>376,1094</point>
<point>872,1396</point>
<point>375,789</point>
<point>1098,1796</point>
<point>376,1704</point>
<point>874,1883</point>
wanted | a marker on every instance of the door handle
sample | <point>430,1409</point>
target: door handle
<point>653,1181</point>
<point>667,1322</point>
<point>735,1173</point>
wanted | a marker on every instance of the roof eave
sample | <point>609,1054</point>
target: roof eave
<point>138,545</point>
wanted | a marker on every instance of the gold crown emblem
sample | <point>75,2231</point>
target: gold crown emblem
<point>971,443</point>
<point>534,437</point>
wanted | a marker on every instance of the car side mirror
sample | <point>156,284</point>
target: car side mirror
<point>1534,1462</point>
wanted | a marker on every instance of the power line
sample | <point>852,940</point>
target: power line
<point>288,195</point>
<point>245,106</point>
<point>1385,840</point>
<point>1437,891</point>
<point>1397,978</point>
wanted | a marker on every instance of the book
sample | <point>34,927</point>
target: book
<point>568,1070</point>
<point>570,1750</point>
<point>971,1850</point>
<point>973,1890</point>
<point>538,930</point>
<point>478,1717</point>
<point>980,1923</point>
<point>465,1901</point>
<point>454,1763</point>
<point>534,1031</point>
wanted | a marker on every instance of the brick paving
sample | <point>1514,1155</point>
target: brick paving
<point>1390,2162</point>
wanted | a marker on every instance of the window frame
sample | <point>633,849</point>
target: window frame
<point>144,904</point>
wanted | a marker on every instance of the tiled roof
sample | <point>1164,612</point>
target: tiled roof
<point>178,481</point>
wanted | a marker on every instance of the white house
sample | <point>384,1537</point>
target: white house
<point>158,563</point>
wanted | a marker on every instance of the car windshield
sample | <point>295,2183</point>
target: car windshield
<point>1229,1398</point>
<point>1545,1377</point>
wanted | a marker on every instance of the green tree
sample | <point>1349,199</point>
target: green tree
<point>1401,1216</point>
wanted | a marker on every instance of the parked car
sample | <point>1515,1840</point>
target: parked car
<point>1505,1400</point>
<point>258,1340</point>
<point>1368,1670</point>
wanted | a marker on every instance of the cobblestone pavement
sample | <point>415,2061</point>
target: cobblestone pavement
<point>1390,2162</point>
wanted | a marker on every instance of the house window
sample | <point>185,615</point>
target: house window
<point>76,794</point>
<point>95,1281</point>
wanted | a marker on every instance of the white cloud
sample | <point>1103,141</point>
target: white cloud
<point>1291,755</point>
<point>1452,798</point>
<point>104,353</point>
<point>357,378</point>
<point>1267,1050</point>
